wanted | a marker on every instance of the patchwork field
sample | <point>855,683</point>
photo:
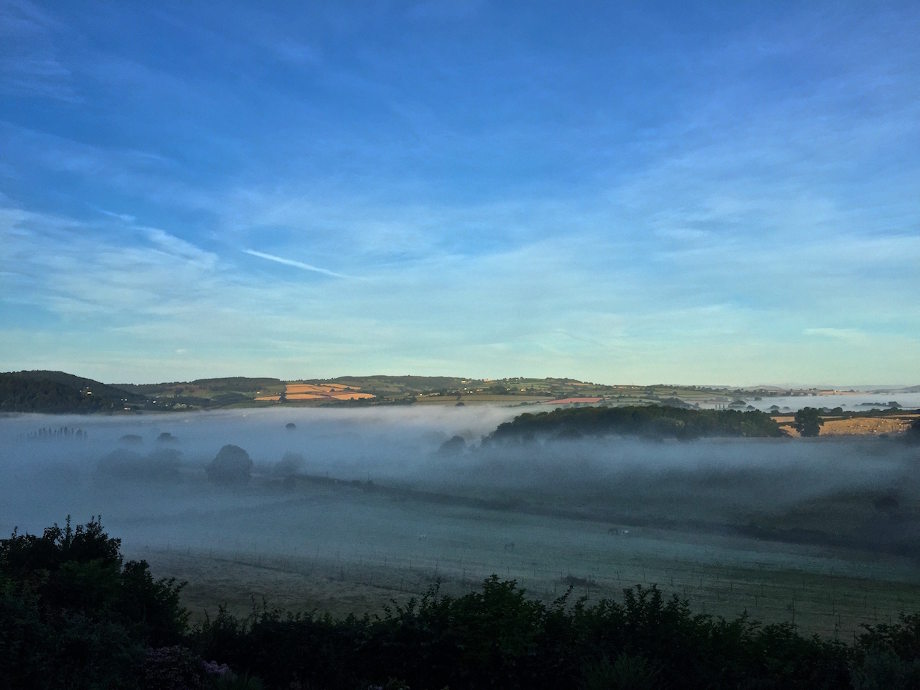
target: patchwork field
<point>316,392</point>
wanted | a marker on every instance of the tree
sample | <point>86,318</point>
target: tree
<point>912,435</point>
<point>231,465</point>
<point>453,446</point>
<point>808,421</point>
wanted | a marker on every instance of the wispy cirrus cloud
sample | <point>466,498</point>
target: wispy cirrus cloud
<point>742,188</point>
<point>296,264</point>
<point>30,63</point>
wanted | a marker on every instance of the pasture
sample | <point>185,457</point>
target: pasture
<point>349,509</point>
<point>345,550</point>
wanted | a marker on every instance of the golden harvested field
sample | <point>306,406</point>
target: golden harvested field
<point>865,425</point>
<point>351,395</point>
<point>854,426</point>
<point>313,392</point>
<point>326,391</point>
<point>314,388</point>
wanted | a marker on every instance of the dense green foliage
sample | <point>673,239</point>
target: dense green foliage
<point>498,638</point>
<point>55,391</point>
<point>72,615</point>
<point>646,421</point>
<point>808,421</point>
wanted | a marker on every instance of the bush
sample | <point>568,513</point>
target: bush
<point>231,465</point>
<point>72,614</point>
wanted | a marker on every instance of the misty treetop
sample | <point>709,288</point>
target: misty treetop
<point>651,421</point>
<point>231,465</point>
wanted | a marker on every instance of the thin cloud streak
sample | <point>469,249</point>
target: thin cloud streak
<point>296,264</point>
<point>740,190</point>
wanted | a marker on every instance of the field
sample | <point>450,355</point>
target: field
<point>297,392</point>
<point>348,509</point>
<point>866,425</point>
<point>854,426</point>
<point>826,591</point>
<point>242,392</point>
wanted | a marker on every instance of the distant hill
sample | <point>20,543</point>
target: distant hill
<point>205,393</point>
<point>59,392</point>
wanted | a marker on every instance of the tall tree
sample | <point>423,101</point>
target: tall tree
<point>808,421</point>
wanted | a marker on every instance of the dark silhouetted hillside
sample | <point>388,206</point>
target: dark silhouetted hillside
<point>57,391</point>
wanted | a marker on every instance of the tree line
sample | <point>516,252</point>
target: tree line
<point>644,421</point>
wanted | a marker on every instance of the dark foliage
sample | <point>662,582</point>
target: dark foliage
<point>647,421</point>
<point>453,446</point>
<point>912,435</point>
<point>73,616</point>
<point>58,392</point>
<point>231,465</point>
<point>498,638</point>
<point>808,421</point>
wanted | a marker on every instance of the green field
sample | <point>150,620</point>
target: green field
<point>370,548</point>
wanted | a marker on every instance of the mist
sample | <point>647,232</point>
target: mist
<point>388,488</point>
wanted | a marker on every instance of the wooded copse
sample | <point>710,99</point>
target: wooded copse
<point>645,421</point>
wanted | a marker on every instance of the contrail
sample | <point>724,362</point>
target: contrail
<point>295,264</point>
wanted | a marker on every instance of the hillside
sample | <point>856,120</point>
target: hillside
<point>59,392</point>
<point>205,393</point>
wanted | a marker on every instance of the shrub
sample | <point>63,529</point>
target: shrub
<point>73,615</point>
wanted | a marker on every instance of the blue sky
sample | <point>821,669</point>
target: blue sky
<point>618,192</point>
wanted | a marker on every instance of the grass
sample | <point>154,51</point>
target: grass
<point>374,548</point>
<point>829,605</point>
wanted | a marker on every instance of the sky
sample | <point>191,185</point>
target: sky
<point>649,192</point>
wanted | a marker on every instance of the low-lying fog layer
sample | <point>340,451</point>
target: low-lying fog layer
<point>54,465</point>
<point>851,402</point>
<point>400,483</point>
